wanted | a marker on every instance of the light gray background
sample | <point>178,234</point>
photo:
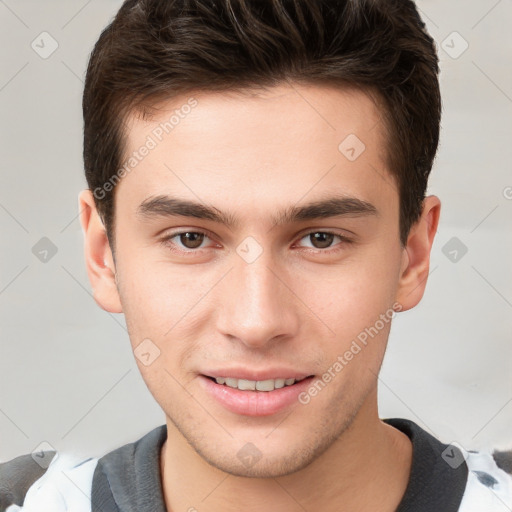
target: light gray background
<point>67,374</point>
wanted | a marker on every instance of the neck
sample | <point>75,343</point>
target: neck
<point>366,468</point>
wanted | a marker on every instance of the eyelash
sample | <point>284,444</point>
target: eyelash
<point>166,241</point>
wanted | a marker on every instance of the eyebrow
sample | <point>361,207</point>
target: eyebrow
<point>336,206</point>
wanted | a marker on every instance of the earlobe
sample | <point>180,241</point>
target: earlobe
<point>98,255</point>
<point>416,255</point>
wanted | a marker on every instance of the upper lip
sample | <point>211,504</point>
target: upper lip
<point>246,374</point>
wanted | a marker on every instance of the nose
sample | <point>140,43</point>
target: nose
<point>257,303</point>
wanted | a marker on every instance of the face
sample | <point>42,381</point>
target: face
<point>258,240</point>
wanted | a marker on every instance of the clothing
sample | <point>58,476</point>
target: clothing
<point>444,478</point>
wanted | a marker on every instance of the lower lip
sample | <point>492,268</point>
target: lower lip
<point>254,403</point>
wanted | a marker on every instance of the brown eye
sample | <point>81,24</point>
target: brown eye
<point>186,243</point>
<point>325,241</point>
<point>191,239</point>
<point>321,240</point>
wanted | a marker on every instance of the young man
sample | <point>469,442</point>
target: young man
<point>256,208</point>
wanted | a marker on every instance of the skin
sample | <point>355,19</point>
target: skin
<point>298,305</point>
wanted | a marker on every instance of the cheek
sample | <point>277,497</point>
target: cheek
<point>352,296</point>
<point>155,310</point>
<point>161,311</point>
<point>154,298</point>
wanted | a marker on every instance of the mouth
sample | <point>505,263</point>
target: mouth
<point>257,385</point>
<point>255,397</point>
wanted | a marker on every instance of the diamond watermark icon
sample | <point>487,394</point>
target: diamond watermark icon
<point>44,45</point>
<point>44,250</point>
<point>249,250</point>
<point>454,249</point>
<point>249,455</point>
<point>146,352</point>
<point>352,147</point>
<point>454,45</point>
<point>44,453</point>
<point>454,455</point>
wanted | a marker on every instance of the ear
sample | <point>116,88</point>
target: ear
<point>98,256</point>
<point>416,255</point>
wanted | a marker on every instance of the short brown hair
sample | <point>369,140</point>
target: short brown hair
<point>155,49</point>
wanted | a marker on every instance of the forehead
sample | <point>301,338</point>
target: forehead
<point>257,146</point>
<point>311,110</point>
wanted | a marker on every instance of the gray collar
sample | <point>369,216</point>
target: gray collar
<point>128,478</point>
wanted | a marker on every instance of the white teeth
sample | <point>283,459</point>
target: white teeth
<point>245,385</point>
<point>279,383</point>
<point>232,383</point>
<point>265,385</point>
<point>259,385</point>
